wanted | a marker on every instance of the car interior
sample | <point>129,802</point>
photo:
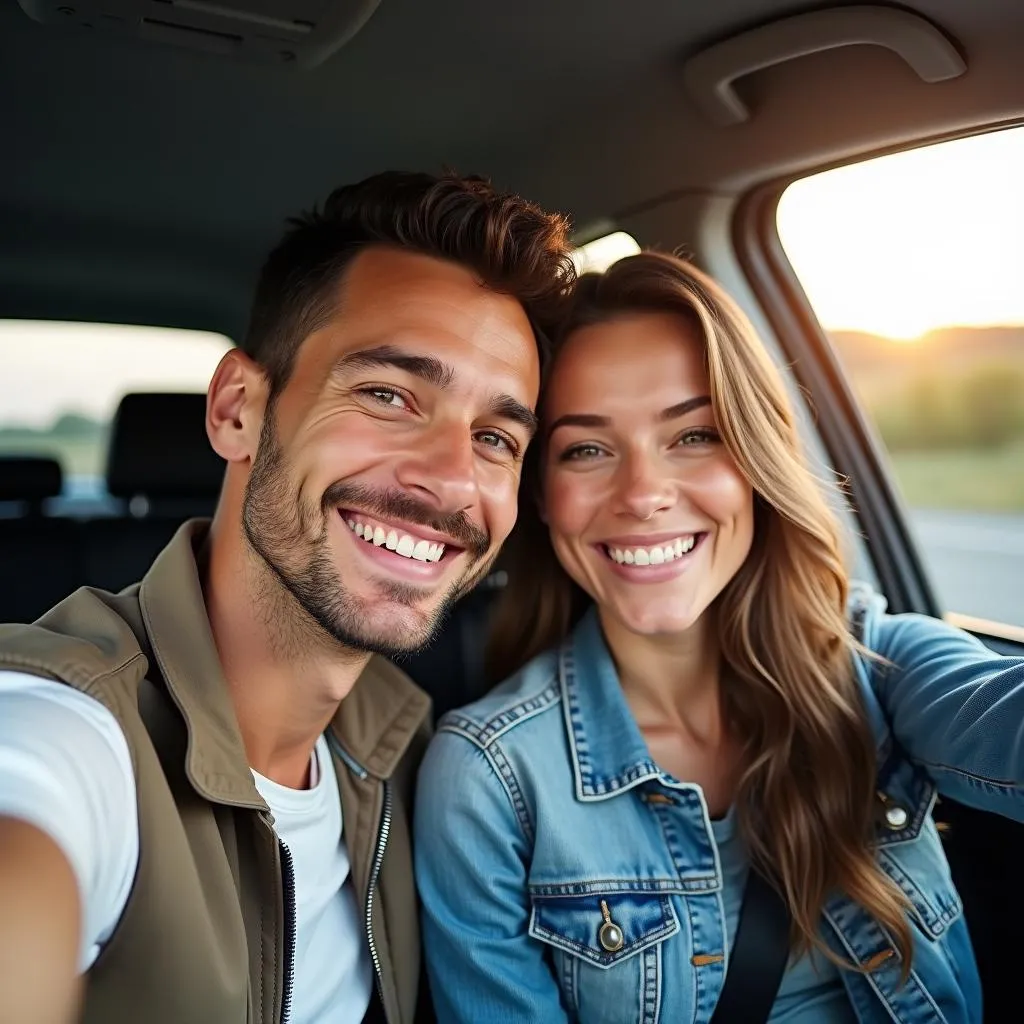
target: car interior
<point>153,150</point>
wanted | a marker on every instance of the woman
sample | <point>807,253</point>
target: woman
<point>585,832</point>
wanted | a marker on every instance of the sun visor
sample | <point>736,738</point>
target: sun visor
<point>297,33</point>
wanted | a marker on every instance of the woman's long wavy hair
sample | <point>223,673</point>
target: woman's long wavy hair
<point>806,801</point>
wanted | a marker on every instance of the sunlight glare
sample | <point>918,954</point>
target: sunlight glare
<point>903,244</point>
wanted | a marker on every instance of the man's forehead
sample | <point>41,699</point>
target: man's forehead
<point>382,278</point>
<point>420,302</point>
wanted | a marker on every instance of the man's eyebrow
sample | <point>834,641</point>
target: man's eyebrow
<point>509,408</point>
<point>434,372</point>
<point>594,422</point>
<point>428,368</point>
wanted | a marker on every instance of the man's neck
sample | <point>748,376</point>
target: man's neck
<point>286,681</point>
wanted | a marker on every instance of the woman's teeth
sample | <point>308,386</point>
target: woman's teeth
<point>658,555</point>
<point>404,544</point>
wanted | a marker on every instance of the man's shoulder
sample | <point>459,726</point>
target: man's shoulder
<point>529,696</point>
<point>90,641</point>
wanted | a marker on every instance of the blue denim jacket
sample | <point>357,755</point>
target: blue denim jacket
<point>541,801</point>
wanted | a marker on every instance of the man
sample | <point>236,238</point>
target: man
<point>204,781</point>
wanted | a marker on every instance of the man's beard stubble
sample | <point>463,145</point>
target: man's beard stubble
<point>291,539</point>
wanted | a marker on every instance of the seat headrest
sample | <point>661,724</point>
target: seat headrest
<point>159,448</point>
<point>28,478</point>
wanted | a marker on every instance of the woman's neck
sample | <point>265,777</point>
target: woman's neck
<point>670,677</point>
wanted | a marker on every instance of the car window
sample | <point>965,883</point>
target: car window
<point>914,265</point>
<point>62,383</point>
<point>598,255</point>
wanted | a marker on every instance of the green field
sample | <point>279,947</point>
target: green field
<point>86,456</point>
<point>989,480</point>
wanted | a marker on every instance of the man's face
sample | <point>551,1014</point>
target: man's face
<point>386,475</point>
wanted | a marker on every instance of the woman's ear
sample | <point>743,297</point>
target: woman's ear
<point>235,405</point>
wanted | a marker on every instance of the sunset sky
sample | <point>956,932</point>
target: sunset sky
<point>902,244</point>
<point>895,246</point>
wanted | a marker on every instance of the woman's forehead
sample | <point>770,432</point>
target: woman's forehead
<point>644,356</point>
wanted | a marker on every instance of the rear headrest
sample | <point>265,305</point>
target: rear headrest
<point>27,478</point>
<point>159,448</point>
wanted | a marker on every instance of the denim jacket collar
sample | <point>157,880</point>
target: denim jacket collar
<point>608,752</point>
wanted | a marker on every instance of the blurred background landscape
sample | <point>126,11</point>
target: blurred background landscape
<point>949,407</point>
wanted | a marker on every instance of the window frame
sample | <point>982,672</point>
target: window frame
<point>853,444</point>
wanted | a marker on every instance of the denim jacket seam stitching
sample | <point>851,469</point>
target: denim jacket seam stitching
<point>539,888</point>
<point>1016,788</point>
<point>517,715</point>
<point>508,783</point>
<point>867,976</point>
<point>646,942</point>
<point>484,733</point>
<point>458,729</point>
<point>909,887</point>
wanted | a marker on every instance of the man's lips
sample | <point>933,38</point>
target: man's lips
<point>407,540</point>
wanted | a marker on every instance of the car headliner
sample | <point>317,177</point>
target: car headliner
<point>144,183</point>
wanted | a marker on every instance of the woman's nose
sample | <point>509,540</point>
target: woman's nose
<point>643,491</point>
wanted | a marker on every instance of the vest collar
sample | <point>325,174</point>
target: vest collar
<point>374,724</point>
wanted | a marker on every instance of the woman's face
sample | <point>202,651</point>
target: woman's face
<point>647,511</point>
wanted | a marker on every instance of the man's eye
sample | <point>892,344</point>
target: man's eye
<point>493,439</point>
<point>386,396</point>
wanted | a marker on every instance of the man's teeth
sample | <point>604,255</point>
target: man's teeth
<point>401,543</point>
<point>658,555</point>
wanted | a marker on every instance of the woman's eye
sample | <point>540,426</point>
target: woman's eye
<point>581,452</point>
<point>698,436</point>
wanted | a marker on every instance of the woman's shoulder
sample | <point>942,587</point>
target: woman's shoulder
<point>889,636</point>
<point>531,693</point>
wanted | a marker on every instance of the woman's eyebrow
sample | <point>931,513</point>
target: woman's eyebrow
<point>673,412</point>
<point>593,421</point>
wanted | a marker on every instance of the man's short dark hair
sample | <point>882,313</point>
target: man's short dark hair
<point>512,245</point>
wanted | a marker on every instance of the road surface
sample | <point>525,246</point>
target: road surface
<point>976,562</point>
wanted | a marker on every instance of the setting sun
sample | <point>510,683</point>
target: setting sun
<point>904,244</point>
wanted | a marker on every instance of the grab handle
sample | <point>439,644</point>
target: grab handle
<point>710,74</point>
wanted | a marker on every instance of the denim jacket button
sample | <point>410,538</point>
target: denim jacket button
<point>896,817</point>
<point>610,934</point>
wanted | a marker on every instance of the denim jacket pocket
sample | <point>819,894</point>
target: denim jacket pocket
<point>606,950</point>
<point>909,848</point>
<point>603,929</point>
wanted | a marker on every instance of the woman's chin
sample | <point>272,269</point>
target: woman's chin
<point>655,618</point>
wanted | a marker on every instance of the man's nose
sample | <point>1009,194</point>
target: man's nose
<point>440,469</point>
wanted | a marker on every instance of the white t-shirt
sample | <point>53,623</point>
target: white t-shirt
<point>65,768</point>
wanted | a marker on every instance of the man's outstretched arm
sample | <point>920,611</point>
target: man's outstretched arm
<point>69,844</point>
<point>40,928</point>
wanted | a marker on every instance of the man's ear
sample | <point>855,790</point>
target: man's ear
<point>235,405</point>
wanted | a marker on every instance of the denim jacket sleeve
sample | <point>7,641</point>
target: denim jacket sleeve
<point>471,864</point>
<point>955,707</point>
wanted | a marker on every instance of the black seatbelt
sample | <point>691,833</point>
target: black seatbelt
<point>758,958</point>
<point>760,951</point>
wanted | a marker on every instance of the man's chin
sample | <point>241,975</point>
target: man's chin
<point>395,632</point>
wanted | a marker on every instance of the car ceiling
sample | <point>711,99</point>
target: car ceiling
<point>143,183</point>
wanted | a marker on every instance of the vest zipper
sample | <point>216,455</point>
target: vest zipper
<point>382,842</point>
<point>288,881</point>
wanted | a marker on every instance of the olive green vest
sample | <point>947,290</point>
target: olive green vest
<point>207,932</point>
